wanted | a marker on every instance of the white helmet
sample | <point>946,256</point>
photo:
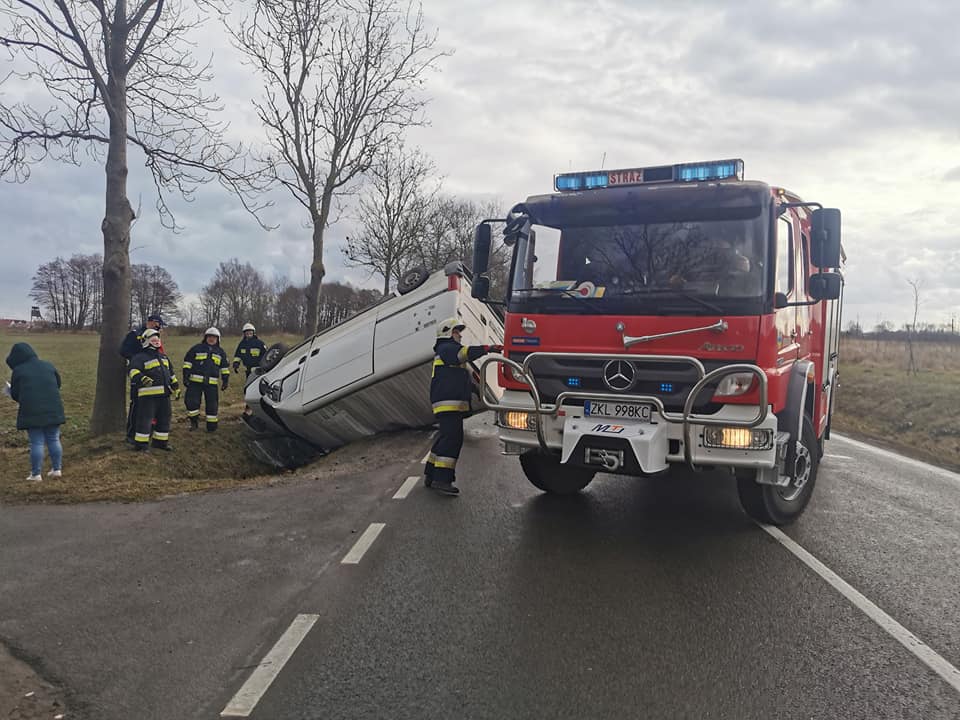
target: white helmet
<point>147,334</point>
<point>212,331</point>
<point>445,329</point>
<point>250,327</point>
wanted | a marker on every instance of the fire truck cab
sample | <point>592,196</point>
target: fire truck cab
<point>671,315</point>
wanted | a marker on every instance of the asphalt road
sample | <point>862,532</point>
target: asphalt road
<point>638,598</point>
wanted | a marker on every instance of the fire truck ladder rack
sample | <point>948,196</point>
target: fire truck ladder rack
<point>524,374</point>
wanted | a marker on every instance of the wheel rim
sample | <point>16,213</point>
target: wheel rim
<point>801,472</point>
<point>413,278</point>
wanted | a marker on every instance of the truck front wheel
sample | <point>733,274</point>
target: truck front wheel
<point>782,505</point>
<point>546,473</point>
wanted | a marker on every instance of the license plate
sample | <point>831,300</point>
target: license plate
<point>625,411</point>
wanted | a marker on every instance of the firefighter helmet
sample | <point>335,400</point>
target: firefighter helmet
<point>147,334</point>
<point>445,329</point>
<point>250,327</point>
<point>212,331</point>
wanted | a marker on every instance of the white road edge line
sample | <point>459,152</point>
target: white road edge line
<point>407,486</point>
<point>363,544</point>
<point>838,457</point>
<point>425,458</point>
<point>898,632</point>
<point>266,672</point>
<point>890,455</point>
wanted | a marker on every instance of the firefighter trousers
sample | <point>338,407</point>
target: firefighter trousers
<point>149,409</point>
<point>442,461</point>
<point>210,394</point>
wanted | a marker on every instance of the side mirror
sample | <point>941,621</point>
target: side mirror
<point>482,240</point>
<point>826,286</point>
<point>780,301</point>
<point>825,241</point>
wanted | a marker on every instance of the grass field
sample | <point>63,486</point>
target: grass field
<point>917,414</point>
<point>105,468</point>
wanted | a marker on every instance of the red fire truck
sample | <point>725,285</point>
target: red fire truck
<point>670,315</point>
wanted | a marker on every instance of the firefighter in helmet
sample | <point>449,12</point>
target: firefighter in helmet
<point>249,351</point>
<point>133,344</point>
<point>206,370</point>
<point>152,382</point>
<point>450,390</point>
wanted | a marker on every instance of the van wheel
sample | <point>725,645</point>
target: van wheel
<point>412,279</point>
<point>782,505</point>
<point>546,473</point>
<point>272,357</point>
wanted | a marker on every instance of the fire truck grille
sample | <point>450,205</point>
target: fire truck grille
<point>671,382</point>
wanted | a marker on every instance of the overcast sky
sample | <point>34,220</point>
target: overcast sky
<point>852,104</point>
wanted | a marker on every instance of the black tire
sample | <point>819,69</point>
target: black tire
<point>272,357</point>
<point>412,279</point>
<point>782,505</point>
<point>546,473</point>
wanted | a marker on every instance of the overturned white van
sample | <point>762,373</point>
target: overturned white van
<point>366,375</point>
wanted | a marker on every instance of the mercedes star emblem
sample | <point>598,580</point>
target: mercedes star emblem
<point>619,375</point>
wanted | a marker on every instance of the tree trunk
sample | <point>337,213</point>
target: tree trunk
<point>317,270</point>
<point>108,408</point>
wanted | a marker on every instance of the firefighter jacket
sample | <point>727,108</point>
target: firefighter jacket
<point>152,364</point>
<point>249,352</point>
<point>451,385</point>
<point>133,344</point>
<point>206,364</point>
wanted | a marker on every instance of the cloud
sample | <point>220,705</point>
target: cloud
<point>852,104</point>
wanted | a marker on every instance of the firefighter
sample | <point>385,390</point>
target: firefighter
<point>450,391</point>
<point>132,345</point>
<point>249,351</point>
<point>206,370</point>
<point>152,382</point>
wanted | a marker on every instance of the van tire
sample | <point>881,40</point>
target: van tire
<point>412,279</point>
<point>782,505</point>
<point>545,472</point>
<point>272,357</point>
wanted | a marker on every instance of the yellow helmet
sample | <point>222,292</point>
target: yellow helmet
<point>445,329</point>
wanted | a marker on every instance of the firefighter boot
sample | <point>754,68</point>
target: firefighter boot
<point>194,423</point>
<point>445,488</point>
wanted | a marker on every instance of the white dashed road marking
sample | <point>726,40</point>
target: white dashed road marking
<point>898,632</point>
<point>838,457</point>
<point>408,485</point>
<point>257,684</point>
<point>363,544</point>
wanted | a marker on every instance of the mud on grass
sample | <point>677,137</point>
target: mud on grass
<point>105,468</point>
<point>915,414</point>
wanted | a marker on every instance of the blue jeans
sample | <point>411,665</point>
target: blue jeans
<point>51,437</point>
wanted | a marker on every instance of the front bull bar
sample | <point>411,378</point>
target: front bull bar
<point>524,374</point>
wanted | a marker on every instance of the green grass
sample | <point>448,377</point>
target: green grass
<point>104,468</point>
<point>917,414</point>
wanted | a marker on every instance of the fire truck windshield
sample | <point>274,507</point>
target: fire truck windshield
<point>691,268</point>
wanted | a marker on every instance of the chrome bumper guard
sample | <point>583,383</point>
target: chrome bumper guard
<point>524,374</point>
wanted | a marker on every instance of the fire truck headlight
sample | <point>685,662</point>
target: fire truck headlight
<point>517,420</point>
<point>734,384</point>
<point>737,438</point>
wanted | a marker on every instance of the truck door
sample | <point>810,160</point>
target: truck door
<point>805,313</point>
<point>786,283</point>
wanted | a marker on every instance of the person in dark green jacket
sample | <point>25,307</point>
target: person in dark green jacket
<point>35,384</point>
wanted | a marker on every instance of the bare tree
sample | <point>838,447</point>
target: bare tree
<point>113,74</point>
<point>341,82</point>
<point>912,329</point>
<point>153,290</point>
<point>237,294</point>
<point>68,290</point>
<point>393,213</point>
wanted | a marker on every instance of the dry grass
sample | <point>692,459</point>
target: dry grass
<point>105,468</point>
<point>918,414</point>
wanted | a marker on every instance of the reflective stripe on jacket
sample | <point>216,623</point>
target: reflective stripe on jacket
<point>205,364</point>
<point>451,386</point>
<point>249,352</point>
<point>155,365</point>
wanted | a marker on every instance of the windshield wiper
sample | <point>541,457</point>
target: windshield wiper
<point>566,292</point>
<point>670,291</point>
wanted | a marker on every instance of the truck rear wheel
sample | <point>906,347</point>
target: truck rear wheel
<point>546,473</point>
<point>782,505</point>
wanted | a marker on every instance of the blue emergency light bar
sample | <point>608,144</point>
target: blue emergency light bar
<point>684,172</point>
